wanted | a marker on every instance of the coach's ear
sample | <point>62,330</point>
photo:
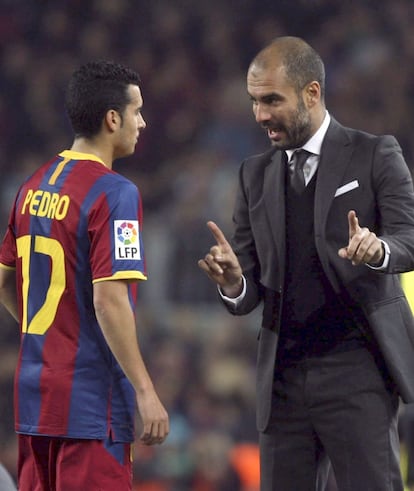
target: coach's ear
<point>312,94</point>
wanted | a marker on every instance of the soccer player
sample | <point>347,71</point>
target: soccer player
<point>73,252</point>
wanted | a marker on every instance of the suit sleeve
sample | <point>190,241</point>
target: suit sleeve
<point>244,246</point>
<point>395,201</point>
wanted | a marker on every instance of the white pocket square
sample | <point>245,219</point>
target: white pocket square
<point>346,188</point>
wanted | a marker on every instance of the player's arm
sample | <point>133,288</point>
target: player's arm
<point>8,290</point>
<point>117,322</point>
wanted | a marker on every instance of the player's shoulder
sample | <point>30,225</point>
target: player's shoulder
<point>115,188</point>
<point>107,179</point>
<point>120,183</point>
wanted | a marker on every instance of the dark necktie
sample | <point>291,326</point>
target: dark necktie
<point>297,179</point>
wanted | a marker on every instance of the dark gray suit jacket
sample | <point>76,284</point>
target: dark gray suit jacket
<point>356,171</point>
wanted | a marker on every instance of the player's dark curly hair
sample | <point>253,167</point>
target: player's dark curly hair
<point>95,88</point>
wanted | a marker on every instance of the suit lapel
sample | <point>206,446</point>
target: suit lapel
<point>335,155</point>
<point>274,196</point>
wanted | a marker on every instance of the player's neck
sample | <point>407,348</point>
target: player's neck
<point>84,145</point>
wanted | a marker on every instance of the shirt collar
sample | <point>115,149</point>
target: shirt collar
<point>314,144</point>
<point>70,154</point>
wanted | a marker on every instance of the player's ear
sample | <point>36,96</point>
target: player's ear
<point>112,119</point>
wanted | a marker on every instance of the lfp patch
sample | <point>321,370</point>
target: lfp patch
<point>126,239</point>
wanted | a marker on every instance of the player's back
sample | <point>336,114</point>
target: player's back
<point>62,224</point>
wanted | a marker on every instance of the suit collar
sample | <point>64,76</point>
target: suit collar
<point>274,197</point>
<point>335,155</point>
<point>314,144</point>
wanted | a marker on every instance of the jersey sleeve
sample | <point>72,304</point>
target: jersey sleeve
<point>8,246</point>
<point>115,231</point>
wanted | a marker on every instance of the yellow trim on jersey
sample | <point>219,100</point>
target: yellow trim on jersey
<point>4,266</point>
<point>58,171</point>
<point>70,154</point>
<point>122,275</point>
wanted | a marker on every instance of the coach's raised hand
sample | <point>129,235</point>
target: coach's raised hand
<point>222,265</point>
<point>363,247</point>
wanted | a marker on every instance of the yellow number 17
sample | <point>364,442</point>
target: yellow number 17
<point>44,317</point>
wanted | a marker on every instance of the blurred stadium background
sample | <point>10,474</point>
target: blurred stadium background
<point>192,57</point>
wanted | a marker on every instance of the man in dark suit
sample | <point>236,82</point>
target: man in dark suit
<point>320,238</point>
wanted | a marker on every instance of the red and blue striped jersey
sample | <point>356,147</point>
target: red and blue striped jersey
<point>74,222</point>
